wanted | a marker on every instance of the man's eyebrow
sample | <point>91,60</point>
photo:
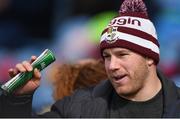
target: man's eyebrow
<point>122,51</point>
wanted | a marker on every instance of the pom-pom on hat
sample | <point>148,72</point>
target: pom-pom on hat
<point>133,30</point>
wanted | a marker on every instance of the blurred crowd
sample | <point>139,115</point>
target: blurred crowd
<point>71,29</point>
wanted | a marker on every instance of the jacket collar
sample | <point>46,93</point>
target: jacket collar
<point>103,89</point>
<point>170,93</point>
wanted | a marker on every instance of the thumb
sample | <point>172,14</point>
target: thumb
<point>37,74</point>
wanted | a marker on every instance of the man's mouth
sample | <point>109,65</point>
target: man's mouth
<point>120,77</point>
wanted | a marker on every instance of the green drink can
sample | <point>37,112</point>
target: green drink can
<point>46,58</point>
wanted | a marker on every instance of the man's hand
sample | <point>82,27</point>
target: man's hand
<point>32,84</point>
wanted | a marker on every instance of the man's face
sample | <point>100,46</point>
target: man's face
<point>126,70</point>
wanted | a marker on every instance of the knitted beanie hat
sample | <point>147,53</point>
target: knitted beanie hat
<point>133,30</point>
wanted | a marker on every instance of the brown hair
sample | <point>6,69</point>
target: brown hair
<point>69,77</point>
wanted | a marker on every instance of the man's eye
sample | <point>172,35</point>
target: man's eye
<point>122,54</point>
<point>106,56</point>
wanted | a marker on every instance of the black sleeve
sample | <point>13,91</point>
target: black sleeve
<point>21,106</point>
<point>67,107</point>
<point>59,109</point>
<point>15,106</point>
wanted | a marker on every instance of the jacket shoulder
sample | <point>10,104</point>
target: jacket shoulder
<point>83,102</point>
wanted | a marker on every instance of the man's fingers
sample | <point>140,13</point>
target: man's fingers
<point>33,58</point>
<point>27,66</point>
<point>12,72</point>
<point>20,67</point>
<point>24,66</point>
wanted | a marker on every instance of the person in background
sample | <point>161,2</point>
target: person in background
<point>136,88</point>
<point>66,78</point>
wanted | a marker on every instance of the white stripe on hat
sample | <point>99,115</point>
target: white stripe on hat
<point>134,39</point>
<point>146,25</point>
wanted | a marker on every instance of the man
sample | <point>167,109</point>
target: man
<point>135,88</point>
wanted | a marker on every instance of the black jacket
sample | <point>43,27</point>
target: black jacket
<point>90,102</point>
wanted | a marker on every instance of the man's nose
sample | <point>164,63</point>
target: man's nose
<point>114,65</point>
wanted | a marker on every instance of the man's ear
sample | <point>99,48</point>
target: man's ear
<point>149,61</point>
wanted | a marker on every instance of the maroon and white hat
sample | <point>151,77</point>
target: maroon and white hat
<point>133,30</point>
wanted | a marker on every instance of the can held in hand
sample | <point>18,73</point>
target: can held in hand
<point>46,58</point>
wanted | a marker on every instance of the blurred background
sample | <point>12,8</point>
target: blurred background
<point>71,29</point>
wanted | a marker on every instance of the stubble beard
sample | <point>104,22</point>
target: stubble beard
<point>134,88</point>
